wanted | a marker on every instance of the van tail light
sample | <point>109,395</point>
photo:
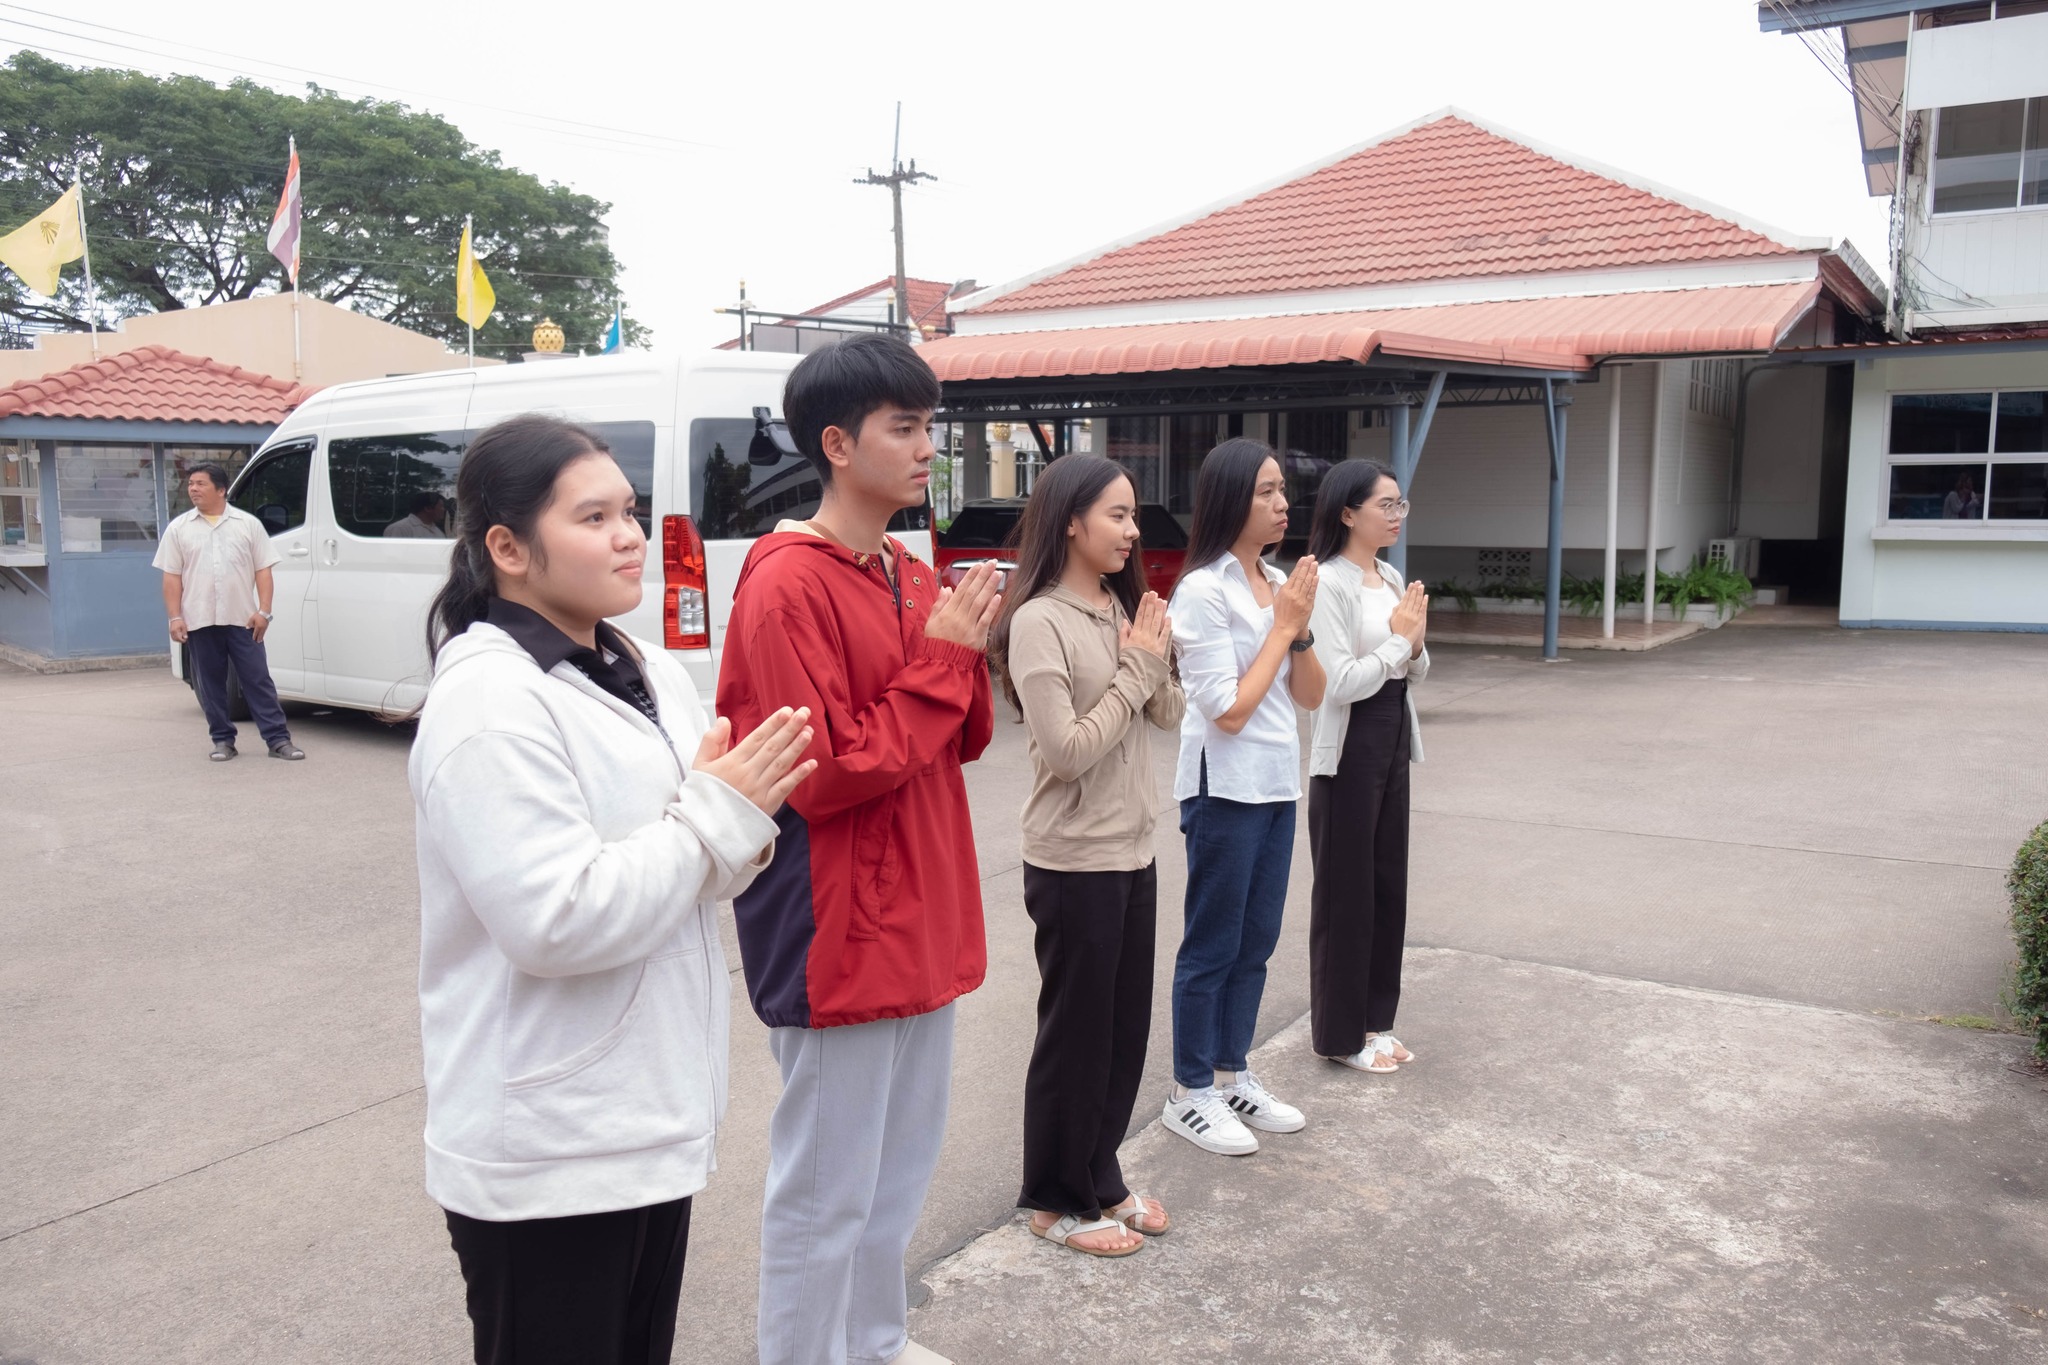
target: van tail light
<point>685,593</point>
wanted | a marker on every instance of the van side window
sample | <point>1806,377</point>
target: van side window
<point>273,489</point>
<point>632,446</point>
<point>376,480</point>
<point>734,499</point>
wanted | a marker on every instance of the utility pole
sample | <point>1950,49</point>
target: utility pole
<point>899,175</point>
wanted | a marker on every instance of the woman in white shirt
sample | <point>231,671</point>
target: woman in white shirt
<point>1368,631</point>
<point>1241,632</point>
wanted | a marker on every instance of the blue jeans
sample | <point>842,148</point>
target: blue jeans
<point>215,649</point>
<point>1238,857</point>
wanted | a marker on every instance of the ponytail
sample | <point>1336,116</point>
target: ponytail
<point>507,479</point>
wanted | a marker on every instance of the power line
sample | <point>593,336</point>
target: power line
<point>636,138</point>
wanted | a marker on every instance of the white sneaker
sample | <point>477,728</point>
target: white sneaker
<point>1256,1106</point>
<point>1204,1119</point>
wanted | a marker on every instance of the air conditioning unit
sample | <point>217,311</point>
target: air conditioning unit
<point>1737,552</point>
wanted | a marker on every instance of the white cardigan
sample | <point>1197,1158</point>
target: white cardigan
<point>1358,656</point>
<point>573,993</point>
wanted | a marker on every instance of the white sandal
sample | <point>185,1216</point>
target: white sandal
<point>1393,1043</point>
<point>1140,1209</point>
<point>1377,1056</point>
<point>1071,1226</point>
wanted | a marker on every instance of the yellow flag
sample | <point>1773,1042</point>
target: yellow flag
<point>474,298</point>
<point>38,249</point>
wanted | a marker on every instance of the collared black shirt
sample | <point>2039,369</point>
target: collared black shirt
<point>544,640</point>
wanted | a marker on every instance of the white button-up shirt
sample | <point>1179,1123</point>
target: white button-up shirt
<point>1218,627</point>
<point>1359,651</point>
<point>218,564</point>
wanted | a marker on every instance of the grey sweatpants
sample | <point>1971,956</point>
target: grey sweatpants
<point>851,1152</point>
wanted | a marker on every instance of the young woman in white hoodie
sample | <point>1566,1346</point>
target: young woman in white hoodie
<point>577,821</point>
<point>1369,628</point>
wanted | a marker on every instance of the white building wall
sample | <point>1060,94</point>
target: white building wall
<point>1781,453</point>
<point>1981,268</point>
<point>1483,480</point>
<point>1930,575</point>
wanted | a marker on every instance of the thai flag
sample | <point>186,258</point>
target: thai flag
<point>284,227</point>
<point>614,335</point>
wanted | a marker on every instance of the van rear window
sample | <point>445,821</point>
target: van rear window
<point>733,498</point>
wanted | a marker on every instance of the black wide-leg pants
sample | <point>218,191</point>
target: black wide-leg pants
<point>1094,940</point>
<point>1358,909</point>
<point>587,1289</point>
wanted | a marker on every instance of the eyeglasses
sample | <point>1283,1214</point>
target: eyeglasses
<point>1393,511</point>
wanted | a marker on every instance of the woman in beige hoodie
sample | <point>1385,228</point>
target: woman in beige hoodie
<point>1084,653</point>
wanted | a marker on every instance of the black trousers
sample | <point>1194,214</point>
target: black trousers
<point>1094,942</point>
<point>589,1289</point>
<point>214,650</point>
<point>1358,909</point>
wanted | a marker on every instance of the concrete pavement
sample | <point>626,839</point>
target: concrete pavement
<point>210,1047</point>
<point>1576,1167</point>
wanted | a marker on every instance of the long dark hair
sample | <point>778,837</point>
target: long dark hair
<point>507,479</point>
<point>1345,488</point>
<point>1223,497</point>
<point>1067,488</point>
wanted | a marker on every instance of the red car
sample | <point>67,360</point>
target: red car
<point>983,530</point>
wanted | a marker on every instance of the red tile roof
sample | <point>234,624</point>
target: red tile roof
<point>927,301</point>
<point>1445,200</point>
<point>155,384</point>
<point>1562,333</point>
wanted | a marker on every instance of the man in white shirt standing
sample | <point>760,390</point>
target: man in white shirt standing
<point>216,562</point>
<point>428,519</point>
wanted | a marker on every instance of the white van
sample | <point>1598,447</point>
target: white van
<point>700,436</point>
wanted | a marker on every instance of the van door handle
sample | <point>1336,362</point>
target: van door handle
<point>330,551</point>
<point>299,551</point>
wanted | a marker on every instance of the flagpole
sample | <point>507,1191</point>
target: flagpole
<point>92,298</point>
<point>466,228</point>
<point>298,356</point>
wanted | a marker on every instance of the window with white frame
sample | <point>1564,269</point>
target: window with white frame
<point>1968,458</point>
<point>1991,156</point>
<point>106,497</point>
<point>21,497</point>
<point>1712,390</point>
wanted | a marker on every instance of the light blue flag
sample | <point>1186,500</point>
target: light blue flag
<point>615,335</point>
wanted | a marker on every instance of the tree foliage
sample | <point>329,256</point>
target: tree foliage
<point>182,177</point>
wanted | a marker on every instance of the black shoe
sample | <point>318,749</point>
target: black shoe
<point>222,751</point>
<point>287,750</point>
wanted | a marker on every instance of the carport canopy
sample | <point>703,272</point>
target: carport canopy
<point>1409,360</point>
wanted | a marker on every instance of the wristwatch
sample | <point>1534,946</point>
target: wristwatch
<point>1299,646</point>
<point>264,614</point>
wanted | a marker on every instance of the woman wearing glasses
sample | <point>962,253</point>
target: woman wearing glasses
<point>1368,628</point>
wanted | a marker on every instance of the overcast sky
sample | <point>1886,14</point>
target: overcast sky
<point>726,137</point>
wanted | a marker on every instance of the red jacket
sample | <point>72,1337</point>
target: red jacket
<point>871,908</point>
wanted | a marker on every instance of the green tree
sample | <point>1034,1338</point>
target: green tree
<point>182,176</point>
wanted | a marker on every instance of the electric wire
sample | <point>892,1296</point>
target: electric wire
<point>286,74</point>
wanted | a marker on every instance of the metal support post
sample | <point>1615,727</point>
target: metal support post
<point>1614,373</point>
<point>1553,574</point>
<point>1397,450</point>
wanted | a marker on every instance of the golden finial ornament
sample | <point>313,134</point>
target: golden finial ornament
<point>548,337</point>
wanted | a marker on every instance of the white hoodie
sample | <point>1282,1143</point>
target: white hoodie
<point>573,992</point>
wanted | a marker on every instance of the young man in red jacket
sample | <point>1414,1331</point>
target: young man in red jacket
<point>867,925</point>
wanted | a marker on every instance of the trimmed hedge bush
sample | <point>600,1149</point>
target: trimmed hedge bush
<point>2028,882</point>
